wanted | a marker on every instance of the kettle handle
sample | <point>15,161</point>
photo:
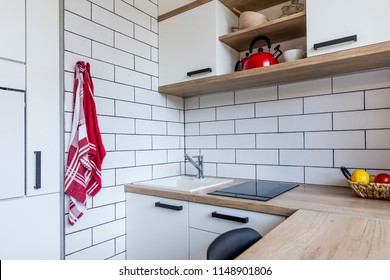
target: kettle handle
<point>258,38</point>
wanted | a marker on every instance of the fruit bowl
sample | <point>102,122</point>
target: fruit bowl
<point>371,190</point>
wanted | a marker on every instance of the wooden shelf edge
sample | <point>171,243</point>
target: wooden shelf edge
<point>278,30</point>
<point>182,9</point>
<point>343,62</point>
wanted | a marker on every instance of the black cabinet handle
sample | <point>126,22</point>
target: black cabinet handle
<point>168,206</point>
<point>205,70</point>
<point>230,218</point>
<point>335,42</point>
<point>38,162</point>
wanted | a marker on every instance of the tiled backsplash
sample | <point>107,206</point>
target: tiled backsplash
<point>300,132</point>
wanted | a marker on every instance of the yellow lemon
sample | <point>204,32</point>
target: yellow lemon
<point>360,176</point>
<point>372,178</point>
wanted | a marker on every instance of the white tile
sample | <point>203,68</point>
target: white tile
<point>154,25</point>
<point>176,129</point>
<point>236,171</point>
<point>133,174</point>
<point>200,115</point>
<point>378,139</point>
<point>133,142</point>
<point>166,170</point>
<point>120,209</point>
<point>324,176</point>
<point>107,4</point>
<point>191,102</point>
<point>155,84</point>
<point>362,81</point>
<point>99,252</point>
<point>219,156</point>
<point>132,14</point>
<point>236,112</point>
<point>113,90</point>
<point>175,155</point>
<point>306,88</point>
<point>92,217</point>
<point>147,7</point>
<point>219,127</point>
<point>279,140</point>
<point>109,195</point>
<point>132,78</point>
<point>150,97</point>
<point>379,98</point>
<point>375,159</point>
<point>201,142</point>
<point>68,102</point>
<point>112,55</point>
<point>98,69</point>
<point>335,140</point>
<point>165,114</point>
<point>112,21</point>
<point>192,129</point>
<point>175,102</point>
<point>146,36</point>
<point>257,125</point>
<point>116,125</point>
<point>279,108</point>
<point>236,141</point>
<point>256,94</point>
<point>133,110</point>
<point>320,158</point>
<point>334,102</point>
<point>109,231</point>
<point>88,29</point>
<point>280,173</point>
<point>131,45</point>
<point>118,257</point>
<point>79,7</point>
<point>104,106</point>
<point>77,44</point>
<point>155,55</point>
<point>120,246</point>
<point>118,159</point>
<point>78,241</point>
<point>108,177</point>
<point>146,66</point>
<point>166,142</point>
<point>108,141</point>
<point>216,99</point>
<point>361,120</point>
<point>150,127</point>
<point>151,157</point>
<point>257,156</point>
<point>315,122</point>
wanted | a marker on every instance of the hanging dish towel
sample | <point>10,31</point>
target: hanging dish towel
<point>86,150</point>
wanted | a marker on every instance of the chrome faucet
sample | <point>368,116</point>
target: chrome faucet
<point>198,165</point>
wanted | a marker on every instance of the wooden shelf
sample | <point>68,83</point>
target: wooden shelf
<point>279,30</point>
<point>349,61</point>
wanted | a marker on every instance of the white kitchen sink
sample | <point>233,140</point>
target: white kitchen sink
<point>185,183</point>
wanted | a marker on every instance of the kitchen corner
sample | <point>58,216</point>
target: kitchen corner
<point>323,222</point>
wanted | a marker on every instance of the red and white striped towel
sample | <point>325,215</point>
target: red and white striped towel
<point>86,150</point>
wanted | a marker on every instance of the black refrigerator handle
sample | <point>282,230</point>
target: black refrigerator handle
<point>38,169</point>
<point>335,42</point>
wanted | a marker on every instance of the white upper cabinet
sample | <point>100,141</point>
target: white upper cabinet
<point>12,30</point>
<point>165,6</point>
<point>331,20</point>
<point>189,45</point>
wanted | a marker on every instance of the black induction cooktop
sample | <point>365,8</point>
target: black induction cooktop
<point>256,190</point>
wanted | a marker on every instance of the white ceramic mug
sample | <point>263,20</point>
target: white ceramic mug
<point>293,54</point>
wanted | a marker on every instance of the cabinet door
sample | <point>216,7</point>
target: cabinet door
<point>12,29</point>
<point>43,95</point>
<point>333,19</point>
<point>189,42</point>
<point>199,242</point>
<point>156,231</point>
<point>12,143</point>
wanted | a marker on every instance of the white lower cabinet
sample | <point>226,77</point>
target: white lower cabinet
<point>208,221</point>
<point>161,228</point>
<point>157,228</point>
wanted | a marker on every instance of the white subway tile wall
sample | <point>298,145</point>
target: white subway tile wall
<point>301,132</point>
<point>143,130</point>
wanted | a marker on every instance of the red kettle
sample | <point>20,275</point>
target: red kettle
<point>259,59</point>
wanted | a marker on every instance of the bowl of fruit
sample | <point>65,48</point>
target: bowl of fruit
<point>366,185</point>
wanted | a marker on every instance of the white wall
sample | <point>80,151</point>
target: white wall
<point>142,130</point>
<point>301,132</point>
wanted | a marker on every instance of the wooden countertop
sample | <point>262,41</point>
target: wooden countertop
<point>325,222</point>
